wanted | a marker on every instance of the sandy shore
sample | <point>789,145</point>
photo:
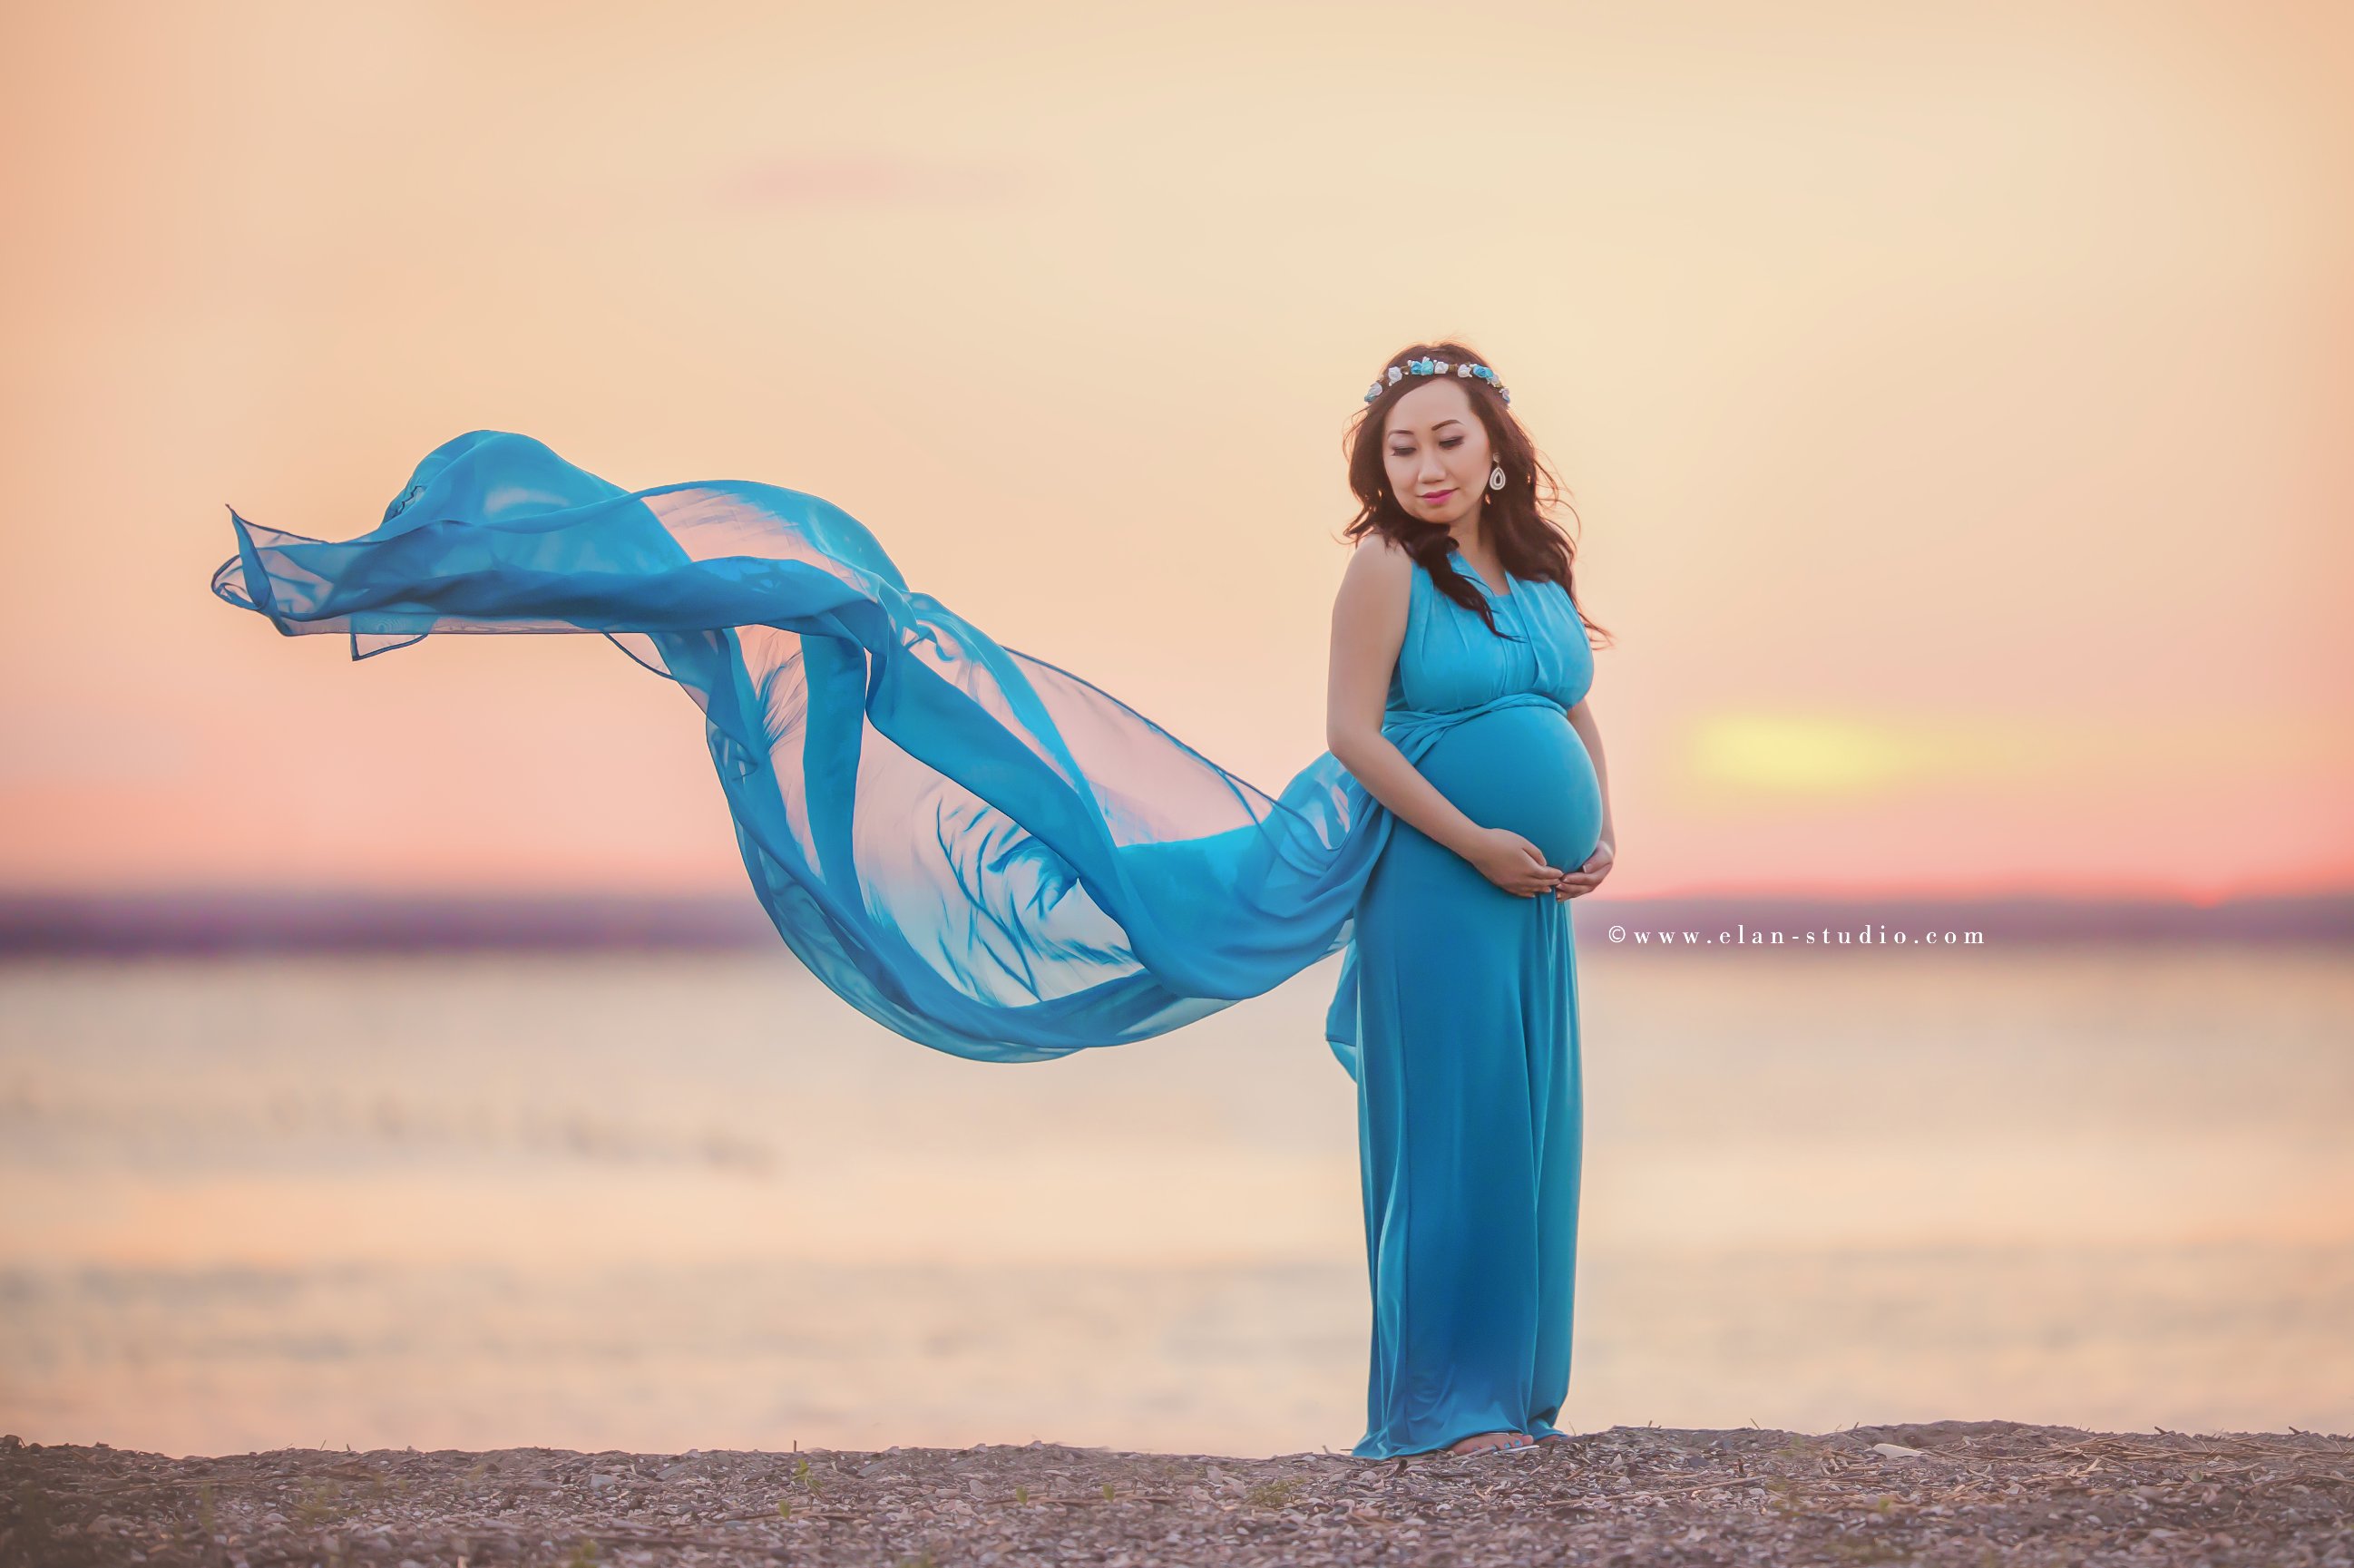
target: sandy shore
<point>1951,1492</point>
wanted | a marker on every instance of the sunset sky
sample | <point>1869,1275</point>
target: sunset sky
<point>1957,400</point>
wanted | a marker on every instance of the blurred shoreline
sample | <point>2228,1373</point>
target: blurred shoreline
<point>185,921</point>
<point>648,1200</point>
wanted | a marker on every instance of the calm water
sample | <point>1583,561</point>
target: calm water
<point>656,1203</point>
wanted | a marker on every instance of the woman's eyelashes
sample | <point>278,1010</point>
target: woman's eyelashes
<point>1449,444</point>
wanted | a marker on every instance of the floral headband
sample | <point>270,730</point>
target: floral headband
<point>1435,367</point>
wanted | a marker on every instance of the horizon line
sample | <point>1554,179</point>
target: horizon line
<point>192,921</point>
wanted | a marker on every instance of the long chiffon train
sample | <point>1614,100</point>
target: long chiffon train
<point>976,849</point>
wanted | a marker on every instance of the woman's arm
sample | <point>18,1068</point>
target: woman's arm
<point>1369,617</point>
<point>1587,877</point>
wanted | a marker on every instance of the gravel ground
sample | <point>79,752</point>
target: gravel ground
<point>1952,1492</point>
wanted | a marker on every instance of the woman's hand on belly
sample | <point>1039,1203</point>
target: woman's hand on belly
<point>1513,863</point>
<point>1588,878</point>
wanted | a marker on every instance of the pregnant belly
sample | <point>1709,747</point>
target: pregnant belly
<point>1525,768</point>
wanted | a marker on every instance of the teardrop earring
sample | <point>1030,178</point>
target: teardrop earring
<point>1496,475</point>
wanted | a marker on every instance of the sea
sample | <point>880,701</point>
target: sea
<point>662,1201</point>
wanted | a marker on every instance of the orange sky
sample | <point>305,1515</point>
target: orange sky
<point>1957,404</point>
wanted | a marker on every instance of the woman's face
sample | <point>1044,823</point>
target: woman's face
<point>1434,451</point>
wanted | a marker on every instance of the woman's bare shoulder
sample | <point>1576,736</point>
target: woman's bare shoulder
<point>1380,558</point>
<point>1378,582</point>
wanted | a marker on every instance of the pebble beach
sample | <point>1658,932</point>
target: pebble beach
<point>1949,1492</point>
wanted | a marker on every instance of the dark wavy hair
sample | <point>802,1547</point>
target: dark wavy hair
<point>1534,549</point>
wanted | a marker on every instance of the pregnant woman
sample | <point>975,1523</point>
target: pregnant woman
<point>1458,601</point>
<point>994,858</point>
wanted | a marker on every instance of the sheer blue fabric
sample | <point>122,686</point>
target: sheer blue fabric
<point>973,847</point>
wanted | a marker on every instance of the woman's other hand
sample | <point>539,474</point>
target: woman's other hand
<point>1512,863</point>
<point>1588,878</point>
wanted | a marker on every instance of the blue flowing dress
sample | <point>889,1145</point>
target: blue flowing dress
<point>994,858</point>
<point>1469,1110</point>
